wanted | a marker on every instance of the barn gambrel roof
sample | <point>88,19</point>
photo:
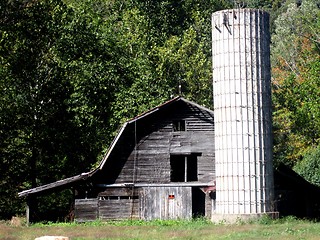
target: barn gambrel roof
<point>84,176</point>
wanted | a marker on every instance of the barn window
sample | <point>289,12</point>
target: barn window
<point>179,125</point>
<point>184,168</point>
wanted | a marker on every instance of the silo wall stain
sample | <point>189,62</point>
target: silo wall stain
<point>242,108</point>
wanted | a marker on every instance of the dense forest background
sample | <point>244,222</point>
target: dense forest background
<point>72,71</point>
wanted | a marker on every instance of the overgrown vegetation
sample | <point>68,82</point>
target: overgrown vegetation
<point>72,71</point>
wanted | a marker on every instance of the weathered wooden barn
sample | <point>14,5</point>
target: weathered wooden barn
<point>159,166</point>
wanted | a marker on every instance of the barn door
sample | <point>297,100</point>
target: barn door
<point>198,202</point>
<point>166,203</point>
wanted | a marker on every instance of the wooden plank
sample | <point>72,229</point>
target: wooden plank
<point>158,204</point>
<point>86,210</point>
<point>119,209</point>
<point>150,161</point>
<point>123,191</point>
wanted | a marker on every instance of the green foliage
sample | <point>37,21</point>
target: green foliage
<point>253,3</point>
<point>309,166</point>
<point>197,222</point>
<point>33,114</point>
<point>293,29</point>
<point>296,82</point>
<point>72,71</point>
<point>182,61</point>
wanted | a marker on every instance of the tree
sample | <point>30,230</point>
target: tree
<point>33,111</point>
<point>296,83</point>
<point>50,112</point>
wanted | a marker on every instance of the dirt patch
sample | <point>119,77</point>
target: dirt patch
<point>7,231</point>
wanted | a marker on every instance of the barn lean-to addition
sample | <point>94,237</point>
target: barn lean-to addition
<point>159,166</point>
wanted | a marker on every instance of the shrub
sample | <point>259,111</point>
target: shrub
<point>309,166</point>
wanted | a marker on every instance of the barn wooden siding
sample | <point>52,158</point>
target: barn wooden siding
<point>112,204</point>
<point>166,203</point>
<point>119,203</point>
<point>153,203</point>
<point>143,151</point>
<point>146,203</point>
<point>86,209</point>
<point>116,208</point>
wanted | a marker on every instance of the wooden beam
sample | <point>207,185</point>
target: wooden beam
<point>28,214</point>
<point>175,184</point>
<point>185,169</point>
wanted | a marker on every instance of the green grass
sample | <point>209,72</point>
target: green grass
<point>265,228</point>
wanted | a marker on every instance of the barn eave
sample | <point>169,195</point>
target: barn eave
<point>57,184</point>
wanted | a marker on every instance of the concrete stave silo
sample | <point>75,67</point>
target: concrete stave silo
<point>242,107</point>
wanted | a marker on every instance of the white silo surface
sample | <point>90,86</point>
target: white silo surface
<point>242,108</point>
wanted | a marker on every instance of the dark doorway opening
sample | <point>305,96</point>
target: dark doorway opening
<point>198,203</point>
<point>184,168</point>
